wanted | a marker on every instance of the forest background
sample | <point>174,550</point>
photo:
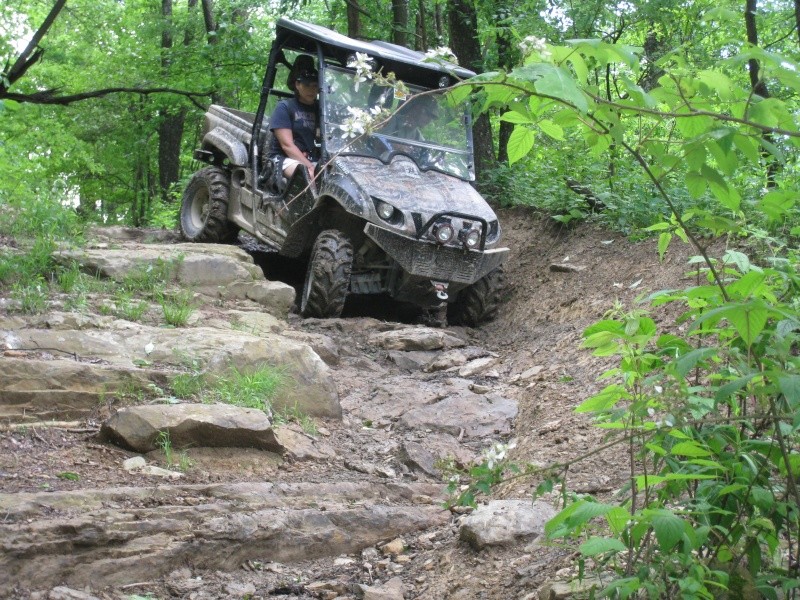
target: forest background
<point>670,118</point>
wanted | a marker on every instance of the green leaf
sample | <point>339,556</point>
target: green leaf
<point>557,83</point>
<point>597,545</point>
<point>790,388</point>
<point>749,319</point>
<point>516,117</point>
<point>687,362</point>
<point>663,243</point>
<point>716,82</point>
<point>695,184</point>
<point>552,129</point>
<point>618,519</point>
<point>520,143</point>
<point>604,400</point>
<point>777,204</point>
<point>668,529</point>
<point>692,449</point>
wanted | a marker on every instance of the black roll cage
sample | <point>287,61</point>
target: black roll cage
<point>325,44</point>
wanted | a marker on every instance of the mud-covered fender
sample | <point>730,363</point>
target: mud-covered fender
<point>223,141</point>
<point>341,186</point>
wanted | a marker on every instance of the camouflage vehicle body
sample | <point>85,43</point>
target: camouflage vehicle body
<point>385,214</point>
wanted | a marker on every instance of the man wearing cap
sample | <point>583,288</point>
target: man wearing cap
<point>294,124</point>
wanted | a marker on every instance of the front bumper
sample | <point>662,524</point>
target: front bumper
<point>422,258</point>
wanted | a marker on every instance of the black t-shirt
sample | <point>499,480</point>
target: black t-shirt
<point>301,119</point>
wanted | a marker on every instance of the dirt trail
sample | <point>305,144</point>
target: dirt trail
<point>536,340</point>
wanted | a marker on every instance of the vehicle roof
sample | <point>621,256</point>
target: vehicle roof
<point>406,64</point>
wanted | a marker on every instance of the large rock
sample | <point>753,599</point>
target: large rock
<point>416,338</point>
<point>444,406</point>
<point>127,345</point>
<point>126,535</point>
<point>36,389</point>
<point>212,269</point>
<point>505,522</point>
<point>137,428</point>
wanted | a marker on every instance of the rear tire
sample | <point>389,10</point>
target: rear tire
<point>204,208</point>
<point>479,302</point>
<point>328,276</point>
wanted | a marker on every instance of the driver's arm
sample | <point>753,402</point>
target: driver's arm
<point>290,149</point>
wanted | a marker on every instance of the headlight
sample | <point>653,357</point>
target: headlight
<point>443,232</point>
<point>385,210</point>
<point>471,238</point>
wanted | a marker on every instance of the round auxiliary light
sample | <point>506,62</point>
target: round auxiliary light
<point>472,238</point>
<point>443,232</point>
<point>385,210</point>
<point>444,81</point>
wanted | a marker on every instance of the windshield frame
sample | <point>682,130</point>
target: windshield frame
<point>428,155</point>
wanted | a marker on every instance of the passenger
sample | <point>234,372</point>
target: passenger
<point>294,121</point>
<point>412,117</point>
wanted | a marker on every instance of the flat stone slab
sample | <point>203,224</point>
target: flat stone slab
<point>128,346</point>
<point>133,534</point>
<point>416,338</point>
<point>138,428</point>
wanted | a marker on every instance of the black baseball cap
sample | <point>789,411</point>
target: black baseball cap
<point>307,76</point>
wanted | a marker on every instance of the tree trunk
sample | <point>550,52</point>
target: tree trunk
<point>400,22</point>
<point>758,84</point>
<point>170,129</point>
<point>797,19</point>
<point>422,28</point>
<point>208,19</point>
<point>463,21</point>
<point>354,19</point>
<point>438,23</point>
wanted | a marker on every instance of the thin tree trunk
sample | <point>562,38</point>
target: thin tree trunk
<point>170,129</point>
<point>400,22</point>
<point>758,84</point>
<point>353,19</point>
<point>797,19</point>
<point>463,20</point>
<point>208,19</point>
<point>438,23</point>
<point>32,52</point>
<point>422,28</point>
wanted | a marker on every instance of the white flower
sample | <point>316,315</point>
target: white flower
<point>359,121</point>
<point>497,453</point>
<point>531,44</point>
<point>362,63</point>
<point>441,54</point>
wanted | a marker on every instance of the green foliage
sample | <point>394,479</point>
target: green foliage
<point>254,389</point>
<point>708,416</point>
<point>177,308</point>
<point>164,443</point>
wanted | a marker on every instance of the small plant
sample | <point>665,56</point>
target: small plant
<point>177,308</point>
<point>187,385</point>
<point>69,476</point>
<point>129,309</point>
<point>184,462</point>
<point>32,296</point>
<point>164,442</point>
<point>295,415</point>
<point>251,390</point>
<point>69,278</point>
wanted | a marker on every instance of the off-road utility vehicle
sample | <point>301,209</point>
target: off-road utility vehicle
<point>387,212</point>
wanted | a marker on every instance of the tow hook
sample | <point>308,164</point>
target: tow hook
<point>441,290</point>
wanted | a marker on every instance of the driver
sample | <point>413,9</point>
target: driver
<point>294,122</point>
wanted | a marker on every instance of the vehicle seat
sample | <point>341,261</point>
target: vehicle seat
<point>270,177</point>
